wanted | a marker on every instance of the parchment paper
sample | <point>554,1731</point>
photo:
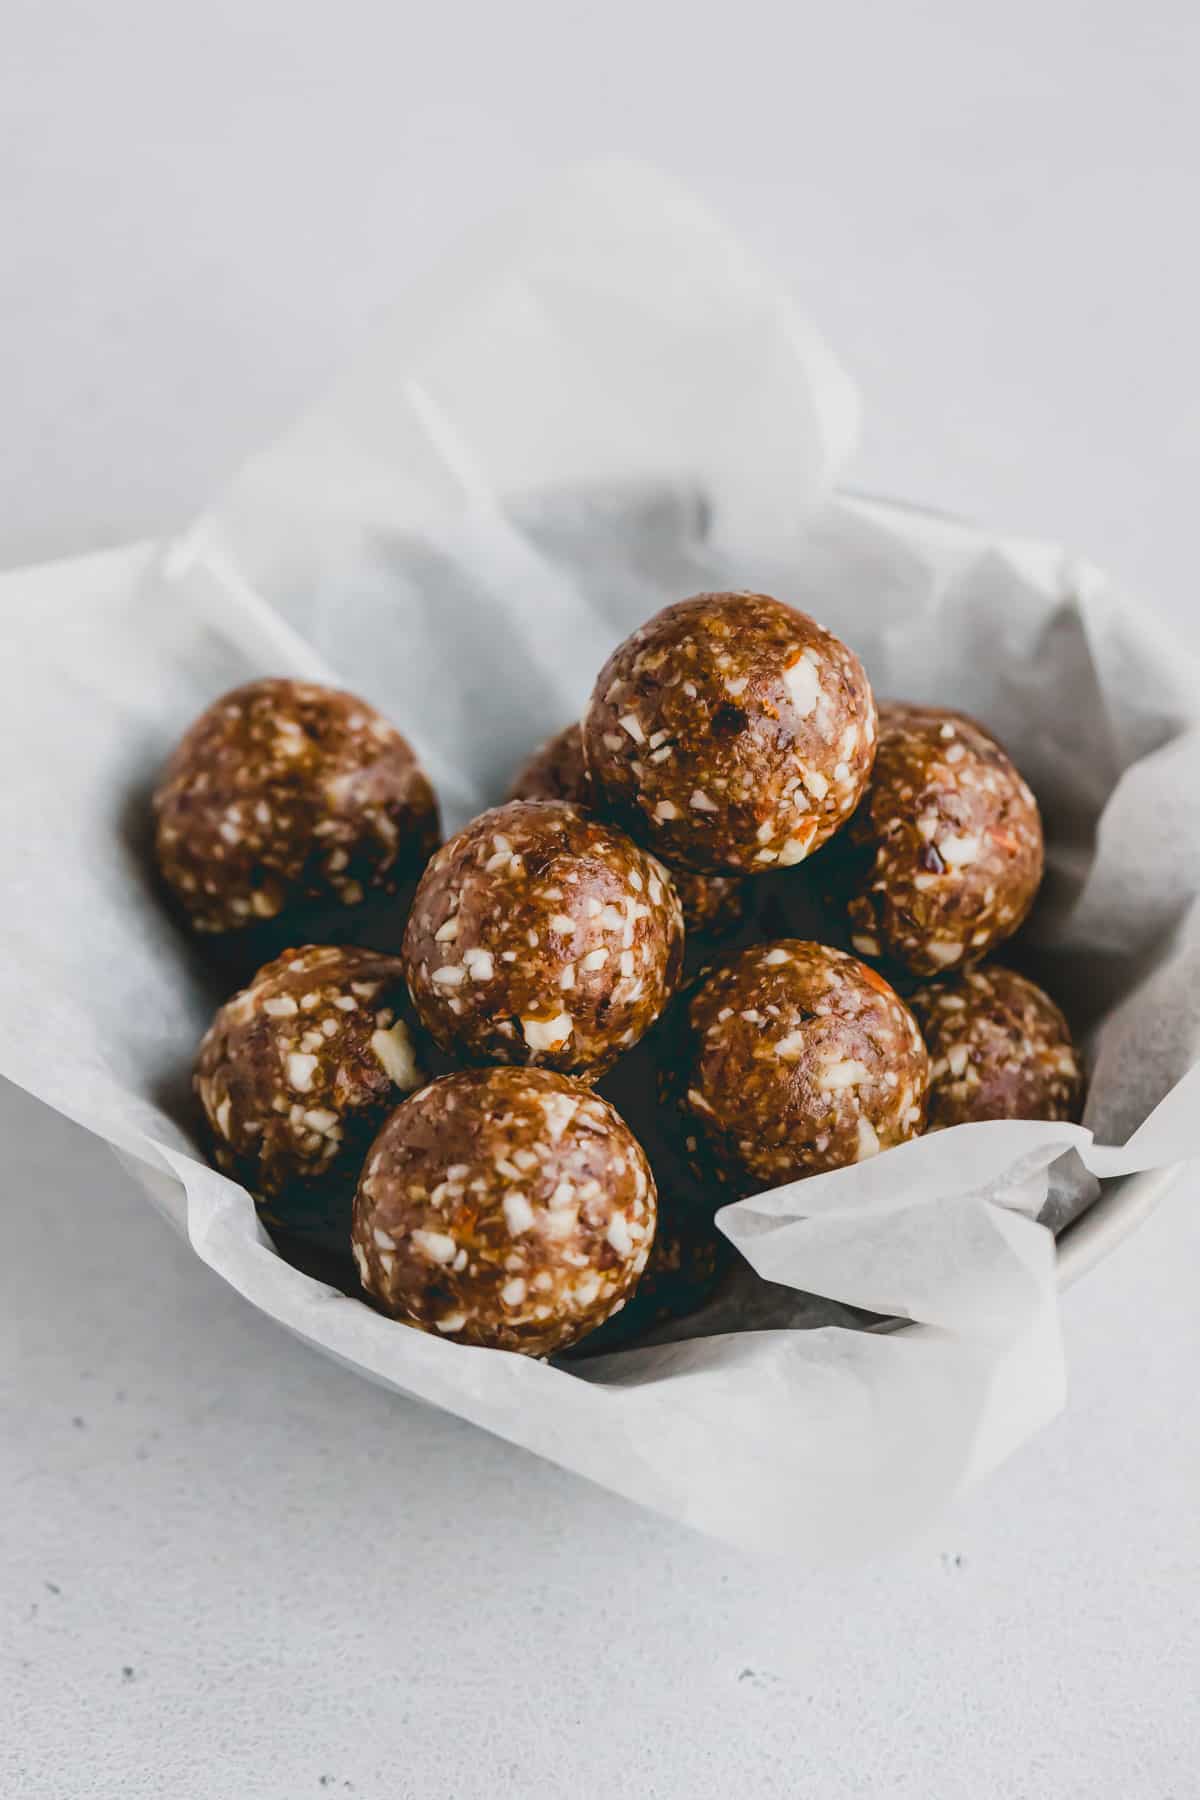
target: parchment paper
<point>601,407</point>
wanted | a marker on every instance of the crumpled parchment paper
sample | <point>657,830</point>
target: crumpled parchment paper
<point>602,406</point>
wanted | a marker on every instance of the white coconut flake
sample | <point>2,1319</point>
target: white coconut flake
<point>438,1246</point>
<point>618,1234</point>
<point>547,1034</point>
<point>958,850</point>
<point>394,1050</point>
<point>868,1139</point>
<point>794,850</point>
<point>847,1072</point>
<point>518,1214</point>
<point>559,1110</point>
<point>803,685</point>
<point>300,1068</point>
<point>320,1118</point>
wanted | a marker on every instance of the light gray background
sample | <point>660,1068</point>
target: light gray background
<point>228,1569</point>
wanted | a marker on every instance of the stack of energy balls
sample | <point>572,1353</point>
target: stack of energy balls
<point>507,1203</point>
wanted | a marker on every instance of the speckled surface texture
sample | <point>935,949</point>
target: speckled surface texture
<point>731,732</point>
<point>540,935</point>
<point>950,840</point>
<point>283,792</point>
<point>511,1209</point>
<point>801,1059</point>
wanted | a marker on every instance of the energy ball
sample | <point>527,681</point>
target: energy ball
<point>297,1073</point>
<point>950,841</point>
<point>999,1049</point>
<point>539,935</point>
<point>802,1059</point>
<point>711,903</point>
<point>731,733</point>
<point>284,792</point>
<point>555,771</point>
<point>511,1208</point>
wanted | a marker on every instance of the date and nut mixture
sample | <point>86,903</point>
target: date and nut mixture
<point>949,842</point>
<point>802,1059</point>
<point>285,792</point>
<point>731,733</point>
<point>295,1076</point>
<point>999,1049</point>
<point>539,935</point>
<point>504,1207</point>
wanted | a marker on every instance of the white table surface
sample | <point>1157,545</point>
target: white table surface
<point>229,1569</point>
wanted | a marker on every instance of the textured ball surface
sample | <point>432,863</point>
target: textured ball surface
<point>540,936</point>
<point>297,1073</point>
<point>285,792</point>
<point>510,1208</point>
<point>950,841</point>
<point>802,1059</point>
<point>711,903</point>
<point>731,733</point>
<point>688,1259</point>
<point>999,1049</point>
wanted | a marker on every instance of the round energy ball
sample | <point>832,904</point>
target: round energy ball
<point>297,1073</point>
<point>711,903</point>
<point>511,1208</point>
<point>802,1059</point>
<point>285,792</point>
<point>950,842</point>
<point>731,733</point>
<point>999,1049</point>
<point>539,935</point>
